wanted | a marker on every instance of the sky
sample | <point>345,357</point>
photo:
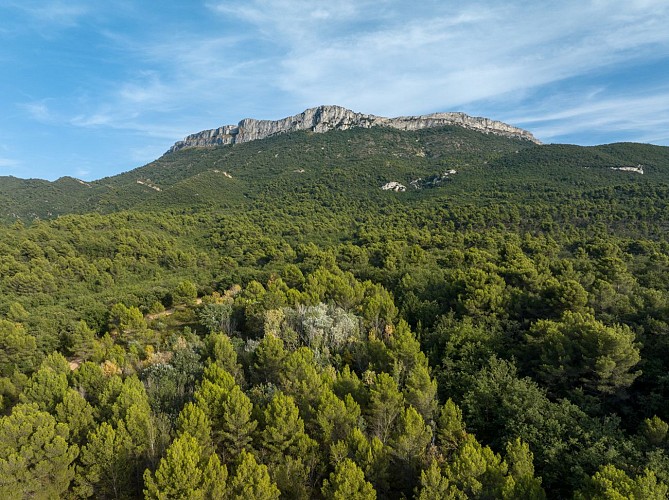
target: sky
<point>90,89</point>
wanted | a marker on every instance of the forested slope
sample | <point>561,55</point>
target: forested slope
<point>270,322</point>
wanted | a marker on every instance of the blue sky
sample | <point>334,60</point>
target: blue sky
<point>90,88</point>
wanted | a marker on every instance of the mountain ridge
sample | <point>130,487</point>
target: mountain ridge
<point>325,118</point>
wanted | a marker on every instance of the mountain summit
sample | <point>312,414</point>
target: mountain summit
<point>326,118</point>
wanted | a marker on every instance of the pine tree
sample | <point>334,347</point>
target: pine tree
<point>612,483</point>
<point>35,457</point>
<point>106,463</point>
<point>434,486</point>
<point>194,421</point>
<point>185,472</point>
<point>77,413</point>
<point>251,480</point>
<point>347,482</point>
<point>289,451</point>
<point>450,427</point>
<point>521,470</point>
<point>237,424</point>
<point>385,406</point>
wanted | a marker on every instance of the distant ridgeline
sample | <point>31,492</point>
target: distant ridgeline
<point>353,159</point>
<point>326,118</point>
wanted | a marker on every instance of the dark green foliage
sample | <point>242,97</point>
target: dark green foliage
<point>493,335</point>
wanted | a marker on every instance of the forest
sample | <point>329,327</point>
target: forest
<point>293,331</point>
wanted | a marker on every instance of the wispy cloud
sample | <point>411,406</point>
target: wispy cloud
<point>57,14</point>
<point>156,81</point>
<point>38,110</point>
<point>9,163</point>
<point>642,117</point>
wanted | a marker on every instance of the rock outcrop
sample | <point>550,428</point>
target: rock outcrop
<point>326,118</point>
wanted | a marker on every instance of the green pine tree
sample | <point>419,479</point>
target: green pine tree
<point>36,460</point>
<point>347,482</point>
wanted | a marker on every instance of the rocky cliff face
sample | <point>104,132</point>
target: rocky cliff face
<point>326,118</point>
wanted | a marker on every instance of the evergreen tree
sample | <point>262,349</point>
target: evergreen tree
<point>289,451</point>
<point>186,472</point>
<point>36,460</point>
<point>434,486</point>
<point>251,480</point>
<point>522,483</point>
<point>347,482</point>
<point>385,406</point>
<point>194,421</point>
<point>77,413</point>
<point>236,425</point>
<point>107,463</point>
<point>611,482</point>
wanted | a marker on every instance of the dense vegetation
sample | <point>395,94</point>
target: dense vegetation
<point>291,330</point>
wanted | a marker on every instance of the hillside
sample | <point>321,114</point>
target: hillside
<point>266,314</point>
<point>353,164</point>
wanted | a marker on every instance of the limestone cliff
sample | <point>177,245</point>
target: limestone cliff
<point>326,118</point>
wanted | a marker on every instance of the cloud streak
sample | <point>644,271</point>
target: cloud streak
<point>559,69</point>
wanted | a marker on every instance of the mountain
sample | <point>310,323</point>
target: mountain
<point>409,298</point>
<point>330,153</point>
<point>326,118</point>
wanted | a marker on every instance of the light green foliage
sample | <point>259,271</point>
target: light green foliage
<point>185,293</point>
<point>268,360</point>
<point>36,460</point>
<point>612,483</point>
<point>413,437</point>
<point>251,481</point>
<point>18,349</point>
<point>408,450</point>
<point>83,341</point>
<point>185,472</point>
<point>378,307</point>
<point>106,463</point>
<point>48,385</point>
<point>420,391</point>
<point>237,424</point>
<point>285,446</point>
<point>90,380</point>
<point>369,454</point>
<point>128,320</point>
<point>335,418</point>
<point>654,430</point>
<point>521,483</point>
<point>434,486</point>
<point>477,470</point>
<point>385,406</point>
<point>347,482</point>
<point>194,421</point>
<point>450,427</point>
<point>229,410</point>
<point>219,349</point>
<point>283,432</point>
<point>301,379</point>
<point>214,389</point>
<point>77,413</point>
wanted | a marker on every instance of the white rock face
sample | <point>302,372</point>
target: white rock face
<point>394,186</point>
<point>326,118</point>
<point>638,169</point>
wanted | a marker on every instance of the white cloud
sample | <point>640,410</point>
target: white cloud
<point>641,117</point>
<point>38,110</point>
<point>271,58</point>
<point>53,14</point>
<point>9,163</point>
